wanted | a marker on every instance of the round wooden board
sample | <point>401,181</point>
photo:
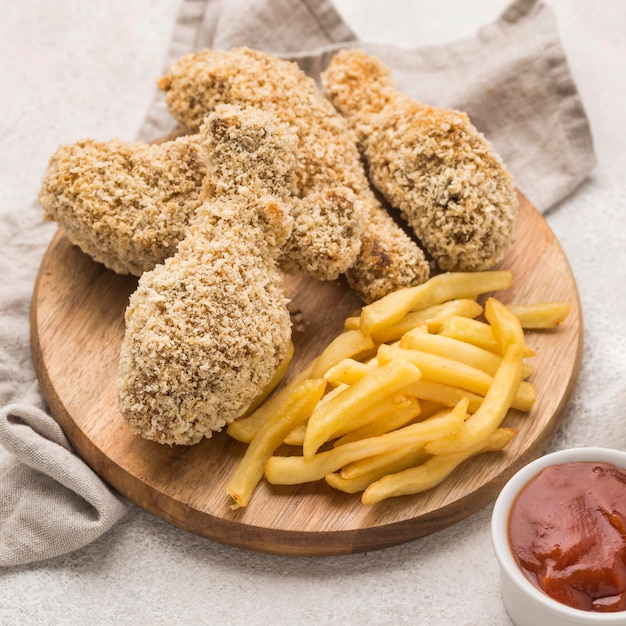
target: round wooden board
<point>77,326</point>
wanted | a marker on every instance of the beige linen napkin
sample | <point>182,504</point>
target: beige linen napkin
<point>513,80</point>
<point>52,502</point>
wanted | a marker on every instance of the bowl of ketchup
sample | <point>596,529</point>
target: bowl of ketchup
<point>558,529</point>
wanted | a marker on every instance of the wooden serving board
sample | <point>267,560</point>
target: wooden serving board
<point>77,326</point>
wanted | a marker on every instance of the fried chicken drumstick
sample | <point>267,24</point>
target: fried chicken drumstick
<point>432,164</point>
<point>207,329</point>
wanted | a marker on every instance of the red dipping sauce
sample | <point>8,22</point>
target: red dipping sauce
<point>567,530</point>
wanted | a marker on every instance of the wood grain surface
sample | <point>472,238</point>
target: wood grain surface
<point>77,326</point>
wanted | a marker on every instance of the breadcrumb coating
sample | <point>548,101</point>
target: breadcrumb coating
<point>336,207</point>
<point>125,204</point>
<point>431,164</point>
<point>207,329</point>
<point>389,259</point>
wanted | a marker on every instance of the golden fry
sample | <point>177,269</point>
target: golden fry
<point>388,416</point>
<point>347,371</point>
<point>544,315</point>
<point>470,331</point>
<point>350,406</point>
<point>384,463</point>
<point>432,317</point>
<point>433,471</point>
<point>296,408</point>
<point>506,327</point>
<point>349,344</point>
<point>295,437</point>
<point>452,348</point>
<point>352,323</point>
<point>449,396</point>
<point>525,397</point>
<point>440,369</point>
<point>245,428</point>
<point>492,411</point>
<point>448,286</point>
<point>446,395</point>
<point>378,463</point>
<point>350,485</point>
<point>461,351</point>
<point>293,470</point>
<point>379,466</point>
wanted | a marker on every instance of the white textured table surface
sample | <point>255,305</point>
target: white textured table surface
<point>75,69</point>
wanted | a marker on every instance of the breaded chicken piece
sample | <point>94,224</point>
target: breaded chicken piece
<point>431,164</point>
<point>207,329</point>
<point>337,211</point>
<point>125,204</point>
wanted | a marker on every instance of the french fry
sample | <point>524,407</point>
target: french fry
<point>525,397</point>
<point>446,395</point>
<point>449,396</point>
<point>387,416</point>
<point>433,471</point>
<point>352,485</point>
<point>293,470</point>
<point>440,369</point>
<point>379,466</point>
<point>352,323</point>
<point>295,437</point>
<point>470,354</point>
<point>491,412</point>
<point>296,407</point>
<point>348,344</point>
<point>470,331</point>
<point>507,328</point>
<point>244,428</point>
<point>448,286</point>
<point>544,315</point>
<point>347,371</point>
<point>390,413</point>
<point>382,463</point>
<point>350,406</point>
<point>461,351</point>
<point>432,316</point>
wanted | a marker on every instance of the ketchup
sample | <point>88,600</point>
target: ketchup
<point>567,530</point>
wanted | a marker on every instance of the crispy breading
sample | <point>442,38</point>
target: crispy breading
<point>207,329</point>
<point>337,207</point>
<point>389,259</point>
<point>432,164</point>
<point>126,204</point>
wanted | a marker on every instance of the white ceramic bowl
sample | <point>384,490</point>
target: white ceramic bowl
<point>526,604</point>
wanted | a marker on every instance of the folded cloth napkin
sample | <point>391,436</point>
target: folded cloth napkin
<point>52,502</point>
<point>513,80</point>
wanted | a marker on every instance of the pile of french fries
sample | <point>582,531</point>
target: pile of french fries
<point>417,384</point>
